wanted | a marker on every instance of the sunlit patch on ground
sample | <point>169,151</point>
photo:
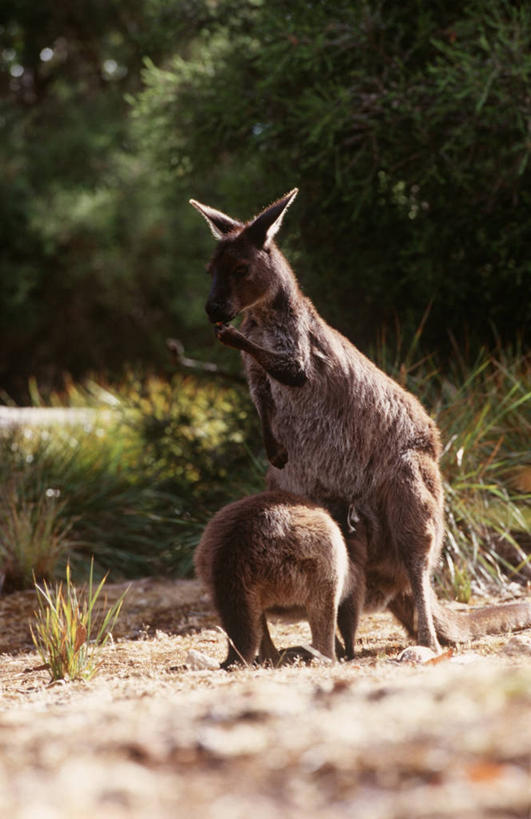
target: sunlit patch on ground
<point>148,736</point>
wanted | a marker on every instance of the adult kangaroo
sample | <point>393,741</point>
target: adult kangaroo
<point>340,432</point>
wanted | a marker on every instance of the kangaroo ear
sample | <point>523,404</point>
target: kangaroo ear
<point>263,228</point>
<point>219,222</point>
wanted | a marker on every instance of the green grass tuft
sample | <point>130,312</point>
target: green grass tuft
<point>67,632</point>
<point>34,535</point>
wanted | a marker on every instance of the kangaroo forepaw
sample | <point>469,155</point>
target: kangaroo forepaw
<point>229,336</point>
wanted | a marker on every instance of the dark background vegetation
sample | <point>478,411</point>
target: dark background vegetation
<point>406,127</point>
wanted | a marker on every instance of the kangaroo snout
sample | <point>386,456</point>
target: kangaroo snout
<point>218,312</point>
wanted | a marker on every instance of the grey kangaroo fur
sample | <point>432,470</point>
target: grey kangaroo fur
<point>274,551</point>
<point>341,432</point>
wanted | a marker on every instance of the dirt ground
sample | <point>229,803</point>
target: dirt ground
<point>154,735</point>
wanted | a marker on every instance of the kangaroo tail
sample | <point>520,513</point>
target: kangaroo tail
<point>459,627</point>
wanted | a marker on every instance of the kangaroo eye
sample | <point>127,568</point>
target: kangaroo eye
<point>241,270</point>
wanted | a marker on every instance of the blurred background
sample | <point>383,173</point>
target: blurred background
<point>406,127</point>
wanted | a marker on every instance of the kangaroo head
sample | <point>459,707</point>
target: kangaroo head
<point>243,267</point>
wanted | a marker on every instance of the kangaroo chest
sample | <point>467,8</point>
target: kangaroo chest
<point>331,427</point>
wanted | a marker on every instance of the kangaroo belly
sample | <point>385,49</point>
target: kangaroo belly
<point>287,614</point>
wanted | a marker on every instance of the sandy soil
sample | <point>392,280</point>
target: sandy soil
<point>150,736</point>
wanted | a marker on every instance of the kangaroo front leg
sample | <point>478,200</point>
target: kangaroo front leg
<point>265,406</point>
<point>283,367</point>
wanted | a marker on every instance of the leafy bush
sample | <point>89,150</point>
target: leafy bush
<point>406,127</point>
<point>199,438</point>
<point>133,487</point>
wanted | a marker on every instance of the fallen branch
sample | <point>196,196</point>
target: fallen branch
<point>176,348</point>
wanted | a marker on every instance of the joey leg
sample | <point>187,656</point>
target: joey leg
<point>347,621</point>
<point>243,627</point>
<point>267,652</point>
<point>322,621</point>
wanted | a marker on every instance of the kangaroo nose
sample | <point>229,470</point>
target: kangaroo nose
<point>216,312</point>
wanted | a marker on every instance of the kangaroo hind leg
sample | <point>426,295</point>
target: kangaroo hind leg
<point>322,616</point>
<point>242,624</point>
<point>415,521</point>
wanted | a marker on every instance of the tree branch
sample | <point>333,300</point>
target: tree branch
<point>176,348</point>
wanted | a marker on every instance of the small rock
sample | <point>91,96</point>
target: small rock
<point>303,653</point>
<point>416,654</point>
<point>196,660</point>
<point>518,646</point>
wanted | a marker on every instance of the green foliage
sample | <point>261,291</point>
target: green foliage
<point>133,485</point>
<point>460,583</point>
<point>406,127</point>
<point>197,436</point>
<point>487,428</point>
<point>87,470</point>
<point>90,245</point>
<point>399,120</point>
<point>68,631</point>
<point>404,124</point>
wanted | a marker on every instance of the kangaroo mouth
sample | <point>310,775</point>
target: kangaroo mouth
<point>220,314</point>
<point>224,321</point>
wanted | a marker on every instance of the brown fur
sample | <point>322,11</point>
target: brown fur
<point>274,551</point>
<point>340,431</point>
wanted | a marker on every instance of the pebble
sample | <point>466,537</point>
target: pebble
<point>519,645</point>
<point>196,661</point>
<point>416,654</point>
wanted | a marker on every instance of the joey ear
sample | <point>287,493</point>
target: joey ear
<point>219,222</point>
<point>263,228</point>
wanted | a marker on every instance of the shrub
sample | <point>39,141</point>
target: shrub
<point>134,487</point>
